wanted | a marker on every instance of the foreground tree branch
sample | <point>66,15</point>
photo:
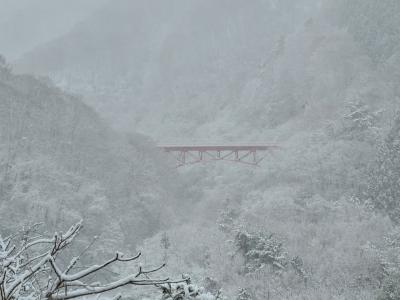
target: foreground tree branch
<point>30,270</point>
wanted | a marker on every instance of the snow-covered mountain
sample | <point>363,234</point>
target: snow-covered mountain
<point>319,78</point>
<point>188,63</point>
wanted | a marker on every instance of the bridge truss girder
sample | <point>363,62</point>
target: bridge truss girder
<point>189,155</point>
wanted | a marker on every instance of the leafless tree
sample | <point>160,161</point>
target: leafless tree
<point>34,269</point>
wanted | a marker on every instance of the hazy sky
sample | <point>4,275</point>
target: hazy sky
<point>25,24</point>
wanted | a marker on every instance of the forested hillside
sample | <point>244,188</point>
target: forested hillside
<point>154,58</point>
<point>263,64</point>
<point>319,219</point>
<point>60,162</point>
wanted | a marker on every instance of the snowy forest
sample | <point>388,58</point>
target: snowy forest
<point>93,206</point>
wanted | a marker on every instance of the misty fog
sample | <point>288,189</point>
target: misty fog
<point>199,149</point>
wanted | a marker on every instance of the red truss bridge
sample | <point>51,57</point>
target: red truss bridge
<point>192,154</point>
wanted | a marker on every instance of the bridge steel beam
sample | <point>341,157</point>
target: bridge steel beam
<point>193,154</point>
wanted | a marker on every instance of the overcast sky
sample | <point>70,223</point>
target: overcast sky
<point>25,24</point>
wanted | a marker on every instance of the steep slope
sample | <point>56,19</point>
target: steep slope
<point>60,162</point>
<point>259,64</point>
<point>155,58</point>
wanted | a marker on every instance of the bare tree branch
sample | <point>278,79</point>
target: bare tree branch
<point>31,270</point>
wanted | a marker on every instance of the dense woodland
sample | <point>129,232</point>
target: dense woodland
<point>81,114</point>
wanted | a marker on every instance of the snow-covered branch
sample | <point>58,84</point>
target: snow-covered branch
<point>31,270</point>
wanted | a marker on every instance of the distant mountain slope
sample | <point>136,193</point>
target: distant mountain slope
<point>201,67</point>
<point>269,71</point>
<point>175,62</point>
<point>60,162</point>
